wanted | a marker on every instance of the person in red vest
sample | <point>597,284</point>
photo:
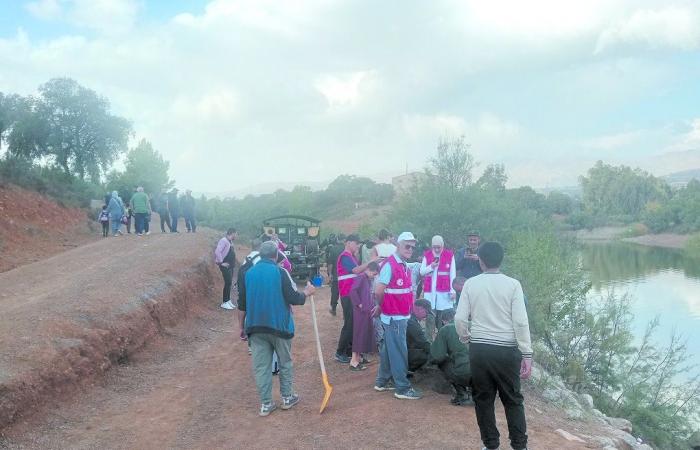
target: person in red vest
<point>348,269</point>
<point>439,271</point>
<point>394,300</point>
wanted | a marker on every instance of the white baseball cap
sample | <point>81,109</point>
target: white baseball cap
<point>437,240</point>
<point>406,236</point>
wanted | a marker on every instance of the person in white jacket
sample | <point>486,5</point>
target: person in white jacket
<point>438,270</point>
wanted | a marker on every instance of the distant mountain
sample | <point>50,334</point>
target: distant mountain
<point>683,176</point>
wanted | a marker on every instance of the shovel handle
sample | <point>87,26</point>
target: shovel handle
<point>318,338</point>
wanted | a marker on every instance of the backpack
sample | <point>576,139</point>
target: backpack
<point>104,216</point>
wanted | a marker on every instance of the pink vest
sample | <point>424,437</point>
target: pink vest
<point>345,279</point>
<point>444,283</point>
<point>398,295</point>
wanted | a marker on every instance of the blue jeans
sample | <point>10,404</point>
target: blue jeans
<point>393,356</point>
<point>140,222</point>
<point>116,223</point>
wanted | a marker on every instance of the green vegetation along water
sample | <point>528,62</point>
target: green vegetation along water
<point>662,282</point>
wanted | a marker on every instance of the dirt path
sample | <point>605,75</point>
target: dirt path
<point>193,388</point>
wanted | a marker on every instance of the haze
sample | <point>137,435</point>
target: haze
<point>242,93</point>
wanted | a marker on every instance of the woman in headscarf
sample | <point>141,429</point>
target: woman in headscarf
<point>362,299</point>
<point>116,212</point>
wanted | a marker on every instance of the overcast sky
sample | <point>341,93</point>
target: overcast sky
<point>236,93</point>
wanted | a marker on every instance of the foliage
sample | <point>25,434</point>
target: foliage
<point>692,247</point>
<point>51,181</point>
<point>620,190</point>
<point>494,178</point>
<point>560,203</point>
<point>67,124</point>
<point>453,165</point>
<point>144,167</point>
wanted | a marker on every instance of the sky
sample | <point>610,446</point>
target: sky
<point>238,93</point>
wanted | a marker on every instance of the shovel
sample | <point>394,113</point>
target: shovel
<point>326,385</point>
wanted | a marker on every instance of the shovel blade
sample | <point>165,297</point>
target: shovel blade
<point>327,395</point>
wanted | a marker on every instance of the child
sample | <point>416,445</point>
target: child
<point>104,220</point>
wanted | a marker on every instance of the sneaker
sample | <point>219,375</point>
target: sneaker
<point>267,408</point>
<point>332,311</point>
<point>358,368</point>
<point>250,352</point>
<point>342,359</point>
<point>288,402</point>
<point>389,386</point>
<point>409,394</point>
<point>147,233</point>
<point>228,305</point>
<point>244,337</point>
<point>366,361</point>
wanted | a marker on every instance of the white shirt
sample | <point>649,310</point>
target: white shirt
<point>439,301</point>
<point>496,306</point>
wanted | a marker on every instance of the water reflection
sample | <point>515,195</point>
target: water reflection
<point>662,282</point>
<point>619,261</point>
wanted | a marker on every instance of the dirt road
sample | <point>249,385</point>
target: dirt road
<point>192,388</point>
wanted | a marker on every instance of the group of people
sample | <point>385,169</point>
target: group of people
<point>170,207</point>
<point>455,310</point>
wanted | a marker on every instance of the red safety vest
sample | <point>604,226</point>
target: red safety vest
<point>444,284</point>
<point>345,278</point>
<point>398,295</point>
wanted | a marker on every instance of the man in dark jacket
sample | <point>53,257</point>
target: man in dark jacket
<point>452,357</point>
<point>416,342</point>
<point>187,204</point>
<point>333,251</point>
<point>270,326</point>
<point>174,208</point>
<point>466,261</point>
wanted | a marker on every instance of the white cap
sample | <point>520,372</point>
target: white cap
<point>406,236</point>
<point>437,240</point>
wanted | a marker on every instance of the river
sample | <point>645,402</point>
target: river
<point>662,282</point>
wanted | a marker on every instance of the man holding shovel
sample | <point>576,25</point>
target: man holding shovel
<point>269,325</point>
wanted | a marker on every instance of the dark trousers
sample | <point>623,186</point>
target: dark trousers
<point>139,221</point>
<point>190,222</point>
<point>226,272</point>
<point>174,216</point>
<point>128,224</point>
<point>335,293</point>
<point>105,229</point>
<point>345,340</point>
<point>497,369</point>
<point>165,220</point>
<point>147,223</point>
<point>448,369</point>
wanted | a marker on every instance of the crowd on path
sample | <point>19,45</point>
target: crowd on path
<point>452,309</point>
<point>116,214</point>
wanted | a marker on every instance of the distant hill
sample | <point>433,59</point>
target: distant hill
<point>682,177</point>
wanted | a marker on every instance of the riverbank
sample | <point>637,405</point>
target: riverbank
<point>665,240</point>
<point>609,234</point>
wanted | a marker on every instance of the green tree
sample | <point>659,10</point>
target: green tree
<point>494,178</point>
<point>453,165</point>
<point>144,167</point>
<point>560,203</point>
<point>79,133</point>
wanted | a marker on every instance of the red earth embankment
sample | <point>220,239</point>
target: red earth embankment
<point>34,227</point>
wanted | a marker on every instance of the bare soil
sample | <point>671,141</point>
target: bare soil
<point>666,240</point>
<point>33,227</point>
<point>188,382</point>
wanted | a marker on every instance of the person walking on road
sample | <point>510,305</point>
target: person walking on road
<point>174,208</point>
<point>141,208</point>
<point>500,350</point>
<point>225,258</point>
<point>394,299</point>
<point>163,211</point>
<point>104,220</point>
<point>269,324</point>
<point>116,212</point>
<point>187,202</point>
<point>348,269</point>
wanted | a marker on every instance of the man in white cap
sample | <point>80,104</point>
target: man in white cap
<point>394,300</point>
<point>438,270</point>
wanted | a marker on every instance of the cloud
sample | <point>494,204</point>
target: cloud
<point>45,9</point>
<point>669,27</point>
<point>343,90</point>
<point>103,16</point>
<point>614,141</point>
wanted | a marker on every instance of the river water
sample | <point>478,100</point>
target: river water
<point>662,282</point>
